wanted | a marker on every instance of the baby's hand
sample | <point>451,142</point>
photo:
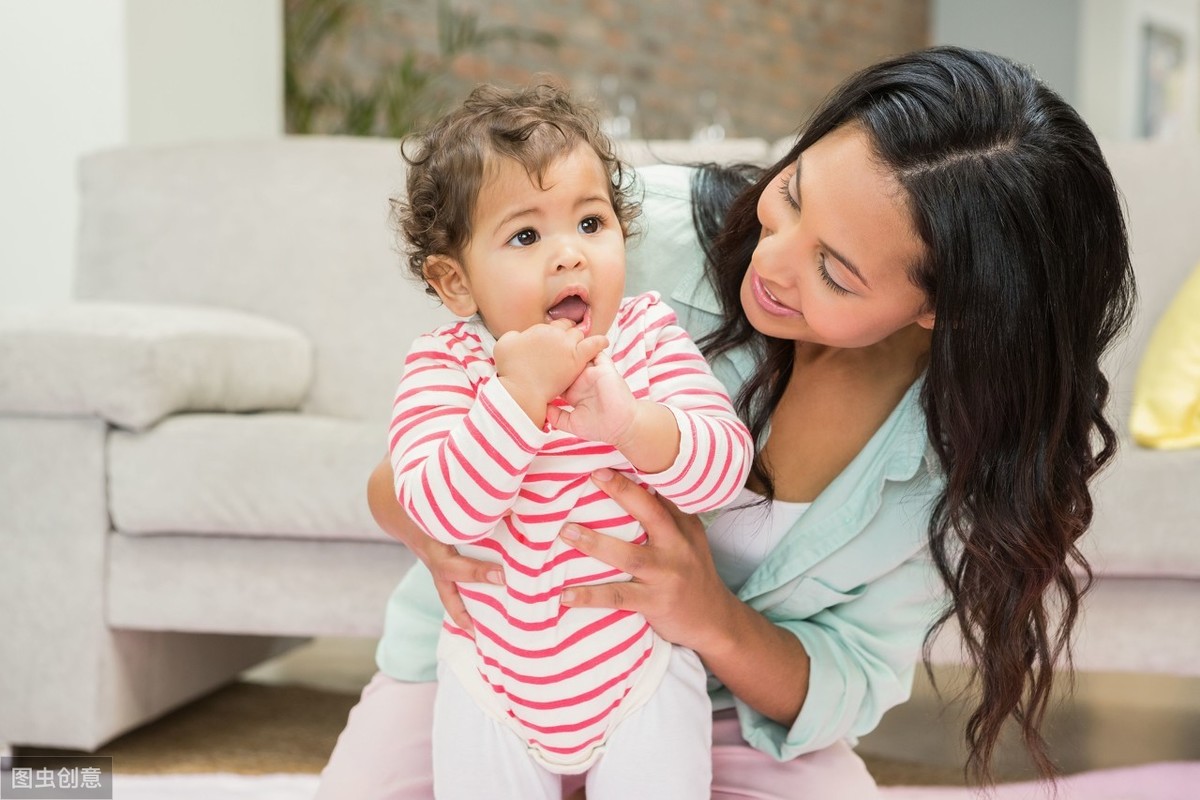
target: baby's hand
<point>603,407</point>
<point>537,365</point>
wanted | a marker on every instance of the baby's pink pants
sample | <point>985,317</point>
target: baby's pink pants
<point>384,753</point>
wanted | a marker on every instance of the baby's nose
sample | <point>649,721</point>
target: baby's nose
<point>568,257</point>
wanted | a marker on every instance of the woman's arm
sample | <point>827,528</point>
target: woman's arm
<point>677,589</point>
<point>442,560</point>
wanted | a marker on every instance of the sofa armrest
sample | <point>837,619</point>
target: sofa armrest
<point>133,364</point>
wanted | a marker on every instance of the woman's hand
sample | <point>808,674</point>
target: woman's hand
<point>676,588</point>
<point>443,561</point>
<point>675,585</point>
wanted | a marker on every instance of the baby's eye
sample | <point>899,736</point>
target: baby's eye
<point>524,238</point>
<point>590,224</point>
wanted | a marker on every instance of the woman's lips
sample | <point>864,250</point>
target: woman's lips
<point>767,301</point>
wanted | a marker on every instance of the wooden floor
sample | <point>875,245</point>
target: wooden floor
<point>285,715</point>
<point>1111,720</point>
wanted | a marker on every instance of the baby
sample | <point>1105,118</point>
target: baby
<point>516,216</point>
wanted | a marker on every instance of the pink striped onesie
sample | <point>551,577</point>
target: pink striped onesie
<point>472,470</point>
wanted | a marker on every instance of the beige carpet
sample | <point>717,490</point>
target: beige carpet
<point>245,727</point>
<point>275,722</point>
<point>253,728</point>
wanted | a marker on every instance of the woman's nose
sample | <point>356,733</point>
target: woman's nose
<point>771,253</point>
<point>768,242</point>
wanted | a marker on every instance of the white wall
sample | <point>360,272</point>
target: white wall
<point>1041,33</point>
<point>1110,63</point>
<point>83,75</point>
<point>204,69</point>
<point>62,75</point>
<point>1090,51</point>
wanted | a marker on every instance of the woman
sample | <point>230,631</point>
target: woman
<point>910,308</point>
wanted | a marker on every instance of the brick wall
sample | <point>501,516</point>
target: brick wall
<point>756,67</point>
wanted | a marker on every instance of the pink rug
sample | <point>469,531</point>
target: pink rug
<point>1166,781</point>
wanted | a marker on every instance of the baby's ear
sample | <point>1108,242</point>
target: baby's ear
<point>449,279</point>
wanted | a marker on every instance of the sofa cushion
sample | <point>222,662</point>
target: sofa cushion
<point>1163,241</point>
<point>293,229</point>
<point>1166,395</point>
<point>1143,503</point>
<point>133,364</point>
<point>274,474</point>
<point>249,585</point>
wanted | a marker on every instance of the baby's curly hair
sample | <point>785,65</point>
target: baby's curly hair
<point>533,126</point>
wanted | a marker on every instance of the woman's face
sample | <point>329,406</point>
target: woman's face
<point>833,260</point>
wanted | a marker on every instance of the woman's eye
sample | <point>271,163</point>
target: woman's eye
<point>589,225</point>
<point>785,190</point>
<point>828,279</point>
<point>524,238</point>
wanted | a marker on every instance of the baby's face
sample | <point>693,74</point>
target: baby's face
<point>538,254</point>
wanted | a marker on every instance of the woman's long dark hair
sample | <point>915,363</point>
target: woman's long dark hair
<point>1027,270</point>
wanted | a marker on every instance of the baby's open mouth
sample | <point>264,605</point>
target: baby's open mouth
<point>571,307</point>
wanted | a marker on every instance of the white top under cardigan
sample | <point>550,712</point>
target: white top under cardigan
<point>743,534</point>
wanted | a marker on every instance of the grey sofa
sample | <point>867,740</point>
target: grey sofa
<point>186,443</point>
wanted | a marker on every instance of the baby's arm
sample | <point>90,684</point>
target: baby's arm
<point>683,435</point>
<point>458,456</point>
<point>712,448</point>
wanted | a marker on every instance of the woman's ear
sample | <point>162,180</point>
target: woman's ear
<point>926,320</point>
<point>449,279</point>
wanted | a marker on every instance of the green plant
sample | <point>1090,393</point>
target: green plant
<point>404,95</point>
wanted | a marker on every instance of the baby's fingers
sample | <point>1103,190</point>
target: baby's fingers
<point>590,348</point>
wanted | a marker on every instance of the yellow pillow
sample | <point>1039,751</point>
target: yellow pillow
<point>1166,395</point>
